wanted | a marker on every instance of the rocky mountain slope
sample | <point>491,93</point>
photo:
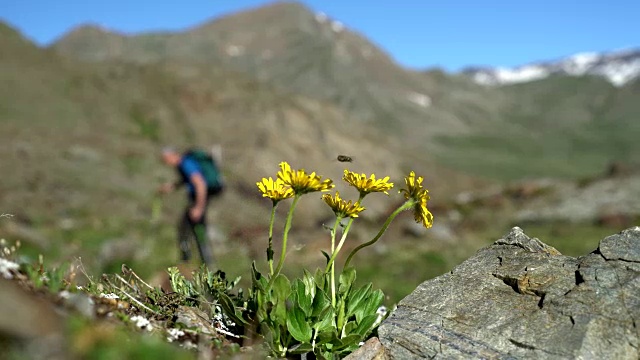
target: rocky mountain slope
<point>577,123</point>
<point>300,52</point>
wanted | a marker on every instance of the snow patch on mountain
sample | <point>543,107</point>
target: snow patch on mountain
<point>419,99</point>
<point>506,75</point>
<point>617,67</point>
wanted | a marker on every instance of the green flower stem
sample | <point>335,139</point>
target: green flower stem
<point>329,264</point>
<point>335,252</point>
<point>333,235</point>
<point>406,206</point>
<point>287,227</point>
<point>333,264</point>
<point>270,248</point>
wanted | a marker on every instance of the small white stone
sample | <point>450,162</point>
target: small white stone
<point>142,322</point>
<point>6,268</point>
<point>109,296</point>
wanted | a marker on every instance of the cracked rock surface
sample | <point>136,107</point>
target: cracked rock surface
<point>521,299</point>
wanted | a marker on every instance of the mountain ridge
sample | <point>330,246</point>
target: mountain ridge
<point>618,67</point>
<point>301,52</point>
<point>298,50</point>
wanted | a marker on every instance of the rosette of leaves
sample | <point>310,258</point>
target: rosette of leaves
<point>207,289</point>
<point>296,317</point>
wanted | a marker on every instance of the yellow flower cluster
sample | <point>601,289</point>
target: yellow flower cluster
<point>420,196</point>
<point>367,185</point>
<point>291,182</point>
<point>341,207</point>
<point>301,182</point>
<point>274,190</point>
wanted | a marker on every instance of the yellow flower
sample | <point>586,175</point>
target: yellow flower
<point>274,190</point>
<point>364,185</point>
<point>301,182</point>
<point>342,208</point>
<point>420,197</point>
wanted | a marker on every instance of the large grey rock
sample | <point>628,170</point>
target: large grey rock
<point>521,299</point>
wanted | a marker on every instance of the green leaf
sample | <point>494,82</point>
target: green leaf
<point>281,288</point>
<point>356,299</point>
<point>348,341</point>
<point>370,305</point>
<point>320,278</point>
<point>254,271</point>
<point>327,355</point>
<point>272,337</point>
<point>259,281</point>
<point>350,327</point>
<point>301,348</point>
<point>365,326</point>
<point>320,302</point>
<point>327,336</point>
<point>300,297</point>
<point>325,320</point>
<point>230,309</point>
<point>341,315</point>
<point>326,256</point>
<point>297,325</point>
<point>309,284</point>
<point>347,278</point>
<point>279,312</point>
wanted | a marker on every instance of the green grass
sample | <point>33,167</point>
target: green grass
<point>399,272</point>
<point>514,158</point>
<point>147,126</point>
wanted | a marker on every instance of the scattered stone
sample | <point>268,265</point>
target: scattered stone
<point>521,299</point>
<point>80,302</point>
<point>371,350</point>
<point>193,318</point>
<point>7,268</point>
<point>30,321</point>
<point>23,314</point>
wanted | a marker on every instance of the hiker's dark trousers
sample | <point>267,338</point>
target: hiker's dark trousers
<point>188,230</point>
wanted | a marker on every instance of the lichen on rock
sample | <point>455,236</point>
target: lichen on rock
<point>520,298</point>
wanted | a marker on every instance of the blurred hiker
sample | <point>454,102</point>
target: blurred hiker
<point>200,173</point>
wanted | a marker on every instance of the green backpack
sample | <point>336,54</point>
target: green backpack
<point>209,169</point>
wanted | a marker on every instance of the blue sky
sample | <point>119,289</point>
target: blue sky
<point>420,33</point>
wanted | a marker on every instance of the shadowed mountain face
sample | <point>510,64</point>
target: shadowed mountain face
<point>558,126</point>
<point>300,52</point>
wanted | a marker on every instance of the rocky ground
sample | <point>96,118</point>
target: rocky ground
<point>517,298</point>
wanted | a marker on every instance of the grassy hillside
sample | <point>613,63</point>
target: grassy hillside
<point>81,139</point>
<point>568,127</point>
